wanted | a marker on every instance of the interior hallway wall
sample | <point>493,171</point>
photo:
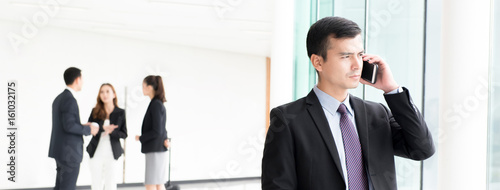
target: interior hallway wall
<point>215,102</point>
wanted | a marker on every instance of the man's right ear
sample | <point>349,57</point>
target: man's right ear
<point>317,62</point>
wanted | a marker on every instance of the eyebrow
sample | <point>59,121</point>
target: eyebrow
<point>350,53</point>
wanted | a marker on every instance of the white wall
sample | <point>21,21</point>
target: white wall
<point>215,109</point>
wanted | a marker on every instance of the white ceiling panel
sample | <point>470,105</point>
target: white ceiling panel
<point>240,26</point>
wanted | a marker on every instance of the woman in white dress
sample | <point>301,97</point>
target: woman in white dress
<point>105,148</point>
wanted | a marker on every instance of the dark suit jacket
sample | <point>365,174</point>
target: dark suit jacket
<point>153,128</point>
<point>116,117</point>
<point>66,142</point>
<point>300,152</point>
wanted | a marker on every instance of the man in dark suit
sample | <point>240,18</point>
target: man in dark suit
<point>66,143</point>
<point>333,140</point>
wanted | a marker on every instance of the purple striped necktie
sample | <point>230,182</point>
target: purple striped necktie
<point>356,173</point>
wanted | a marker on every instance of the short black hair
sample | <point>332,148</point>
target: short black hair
<point>71,74</point>
<point>319,34</point>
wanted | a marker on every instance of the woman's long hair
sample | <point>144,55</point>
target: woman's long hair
<point>157,83</point>
<point>99,112</point>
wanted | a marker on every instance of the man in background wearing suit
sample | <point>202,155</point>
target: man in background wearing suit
<point>66,143</point>
<point>333,140</point>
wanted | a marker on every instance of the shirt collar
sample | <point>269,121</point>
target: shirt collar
<point>330,103</point>
<point>73,92</point>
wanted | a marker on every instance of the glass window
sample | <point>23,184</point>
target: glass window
<point>395,31</point>
<point>304,72</point>
<point>430,169</point>
<point>494,113</point>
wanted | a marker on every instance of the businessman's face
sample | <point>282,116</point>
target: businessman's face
<point>342,67</point>
<point>79,83</point>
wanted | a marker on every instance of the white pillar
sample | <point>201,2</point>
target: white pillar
<point>282,53</point>
<point>462,139</point>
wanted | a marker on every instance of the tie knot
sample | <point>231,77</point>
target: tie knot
<point>342,109</point>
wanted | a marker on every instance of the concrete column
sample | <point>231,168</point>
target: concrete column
<point>282,53</point>
<point>465,43</point>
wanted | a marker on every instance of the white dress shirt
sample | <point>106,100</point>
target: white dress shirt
<point>330,106</point>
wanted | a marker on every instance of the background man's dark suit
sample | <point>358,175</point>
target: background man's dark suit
<point>300,152</point>
<point>116,117</point>
<point>66,143</point>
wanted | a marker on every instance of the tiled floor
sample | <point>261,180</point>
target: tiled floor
<point>253,184</point>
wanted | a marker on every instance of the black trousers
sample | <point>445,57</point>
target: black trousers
<point>67,174</point>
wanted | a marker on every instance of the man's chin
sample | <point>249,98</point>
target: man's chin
<point>353,86</point>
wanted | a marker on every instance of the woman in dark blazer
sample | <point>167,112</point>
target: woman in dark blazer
<point>105,148</point>
<point>154,134</point>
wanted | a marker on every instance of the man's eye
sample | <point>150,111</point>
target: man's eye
<point>345,57</point>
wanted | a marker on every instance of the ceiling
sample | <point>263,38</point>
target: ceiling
<point>239,26</point>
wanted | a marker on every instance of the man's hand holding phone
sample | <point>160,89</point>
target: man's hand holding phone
<point>385,81</point>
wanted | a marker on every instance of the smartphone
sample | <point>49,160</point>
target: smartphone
<point>369,72</point>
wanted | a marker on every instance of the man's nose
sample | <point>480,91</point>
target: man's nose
<point>357,63</point>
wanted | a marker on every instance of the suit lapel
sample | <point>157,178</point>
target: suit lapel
<point>361,124</point>
<point>319,118</point>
